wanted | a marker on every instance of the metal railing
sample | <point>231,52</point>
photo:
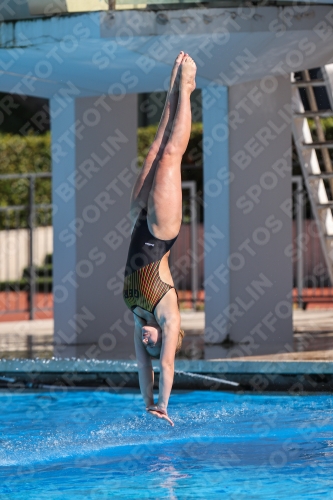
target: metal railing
<point>298,198</point>
<point>19,281</point>
<point>24,288</point>
<point>184,257</point>
<point>311,279</point>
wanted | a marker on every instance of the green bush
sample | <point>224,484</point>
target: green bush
<point>193,154</point>
<point>43,278</point>
<point>31,153</point>
<point>22,155</point>
<point>328,128</point>
<point>145,138</point>
<point>40,272</point>
<point>327,124</point>
<point>41,285</point>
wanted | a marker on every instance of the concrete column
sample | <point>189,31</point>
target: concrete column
<point>216,206</point>
<point>94,164</point>
<point>256,277</point>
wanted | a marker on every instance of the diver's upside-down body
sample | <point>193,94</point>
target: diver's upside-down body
<point>143,286</point>
<point>157,197</point>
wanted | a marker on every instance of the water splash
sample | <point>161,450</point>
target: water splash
<point>218,440</point>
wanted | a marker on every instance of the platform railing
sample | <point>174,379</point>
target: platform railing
<point>21,248</point>
<point>185,262</point>
<point>311,280</point>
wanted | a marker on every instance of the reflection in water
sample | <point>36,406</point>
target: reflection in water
<point>163,466</point>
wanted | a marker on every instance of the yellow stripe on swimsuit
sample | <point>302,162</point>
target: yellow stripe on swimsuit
<point>143,286</point>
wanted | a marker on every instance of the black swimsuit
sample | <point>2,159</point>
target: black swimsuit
<point>143,286</point>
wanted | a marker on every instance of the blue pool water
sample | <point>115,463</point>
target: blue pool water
<point>98,445</point>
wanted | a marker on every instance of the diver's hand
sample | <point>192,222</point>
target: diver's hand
<point>159,413</point>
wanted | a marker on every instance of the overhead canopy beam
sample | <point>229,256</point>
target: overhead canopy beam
<point>127,52</point>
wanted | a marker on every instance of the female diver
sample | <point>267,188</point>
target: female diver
<point>156,212</point>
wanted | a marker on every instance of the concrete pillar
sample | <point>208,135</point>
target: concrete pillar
<point>94,150</point>
<point>216,206</point>
<point>249,305</point>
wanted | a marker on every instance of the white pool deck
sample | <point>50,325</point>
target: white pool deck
<point>66,366</point>
<point>313,322</point>
<point>319,319</point>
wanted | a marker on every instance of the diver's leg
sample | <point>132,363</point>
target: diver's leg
<point>165,197</point>
<point>145,178</point>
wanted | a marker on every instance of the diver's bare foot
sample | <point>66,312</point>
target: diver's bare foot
<point>188,70</point>
<point>175,72</point>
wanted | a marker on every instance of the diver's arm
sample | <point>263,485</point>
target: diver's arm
<point>167,368</point>
<point>170,332</point>
<point>168,317</point>
<point>145,368</point>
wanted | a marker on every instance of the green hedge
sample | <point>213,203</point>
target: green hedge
<point>43,280</point>
<point>42,285</point>
<point>327,124</point>
<point>31,153</point>
<point>193,154</point>
<point>21,155</point>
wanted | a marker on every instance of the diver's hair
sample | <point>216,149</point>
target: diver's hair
<point>179,344</point>
<point>180,340</point>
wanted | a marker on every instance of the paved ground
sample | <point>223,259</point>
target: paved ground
<point>190,321</point>
<point>313,335</point>
<point>36,327</point>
